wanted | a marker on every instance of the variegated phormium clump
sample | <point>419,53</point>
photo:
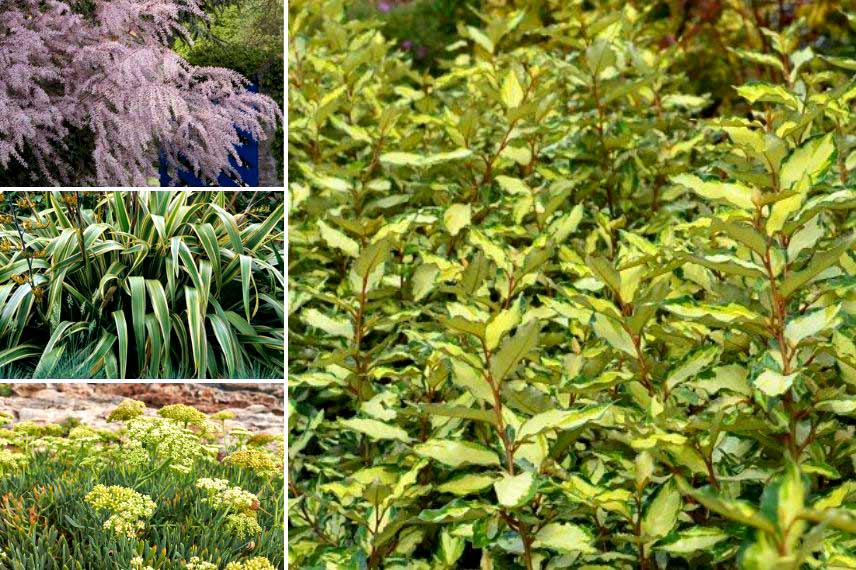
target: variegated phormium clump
<point>144,284</point>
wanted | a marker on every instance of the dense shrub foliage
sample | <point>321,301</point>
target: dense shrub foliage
<point>175,491</point>
<point>172,284</point>
<point>565,304</point>
<point>103,75</point>
<point>422,28</point>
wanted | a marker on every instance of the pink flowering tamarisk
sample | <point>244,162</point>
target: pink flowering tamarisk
<point>113,74</point>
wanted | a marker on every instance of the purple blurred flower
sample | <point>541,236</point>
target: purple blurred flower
<point>384,7</point>
<point>407,45</point>
<point>422,52</point>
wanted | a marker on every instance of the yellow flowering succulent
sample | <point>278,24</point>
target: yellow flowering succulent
<point>188,415</point>
<point>127,410</point>
<point>257,563</point>
<point>11,460</point>
<point>197,563</point>
<point>256,460</point>
<point>241,505</point>
<point>129,509</point>
<point>224,415</point>
<point>137,563</point>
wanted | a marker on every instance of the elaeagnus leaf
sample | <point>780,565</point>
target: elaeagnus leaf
<point>371,256</point>
<point>456,453</point>
<point>662,513</point>
<point>515,490</point>
<point>514,349</point>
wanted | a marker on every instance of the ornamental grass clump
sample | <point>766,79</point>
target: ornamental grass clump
<point>145,284</point>
<point>74,499</point>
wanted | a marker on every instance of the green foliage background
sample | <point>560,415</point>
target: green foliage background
<point>579,295</point>
<point>245,36</point>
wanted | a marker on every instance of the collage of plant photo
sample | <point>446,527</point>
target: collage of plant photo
<point>572,284</point>
<point>143,271</point>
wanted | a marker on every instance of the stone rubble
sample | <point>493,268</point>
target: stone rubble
<point>258,407</point>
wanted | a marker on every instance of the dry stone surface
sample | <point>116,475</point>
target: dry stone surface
<point>258,407</point>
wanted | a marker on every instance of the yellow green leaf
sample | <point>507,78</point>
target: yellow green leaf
<point>457,217</point>
<point>456,453</point>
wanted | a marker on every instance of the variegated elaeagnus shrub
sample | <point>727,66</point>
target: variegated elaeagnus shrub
<point>176,284</point>
<point>153,494</point>
<point>549,309</point>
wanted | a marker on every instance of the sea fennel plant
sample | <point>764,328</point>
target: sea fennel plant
<point>75,498</point>
<point>491,367</point>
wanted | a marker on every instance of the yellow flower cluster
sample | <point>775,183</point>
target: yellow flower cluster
<point>169,438</point>
<point>11,460</point>
<point>197,563</point>
<point>262,439</point>
<point>241,504</point>
<point>243,525</point>
<point>129,509</point>
<point>32,429</point>
<point>127,410</point>
<point>137,563</point>
<point>255,460</point>
<point>38,254</point>
<point>257,563</point>
<point>224,415</point>
<point>188,415</point>
<point>83,432</point>
<point>31,225</point>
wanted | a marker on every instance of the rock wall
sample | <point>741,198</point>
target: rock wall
<point>258,407</point>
